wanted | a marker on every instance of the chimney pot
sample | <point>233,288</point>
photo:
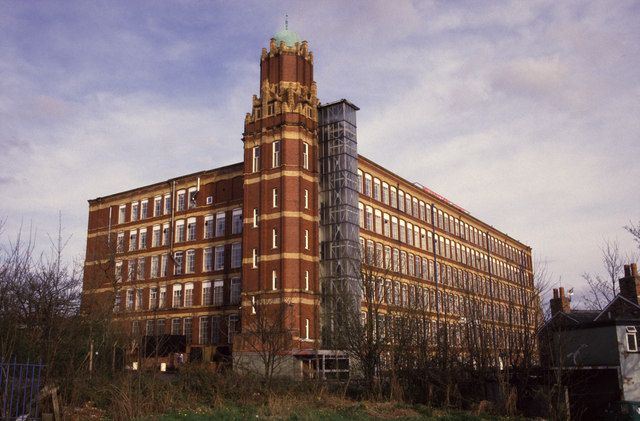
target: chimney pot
<point>561,292</point>
<point>555,293</point>
<point>634,270</point>
<point>627,271</point>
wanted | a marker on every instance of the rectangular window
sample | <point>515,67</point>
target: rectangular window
<point>177,296</point>
<point>193,198</point>
<point>191,261</point>
<point>205,330</point>
<point>141,267</point>
<point>157,205</point>
<point>130,299</point>
<point>167,204</point>
<point>367,185</point>
<point>254,258</point>
<point>191,229</point>
<point>305,156</point>
<point>156,236</point>
<point>215,330</point>
<point>274,280</point>
<point>207,297</point>
<point>162,300</point>
<point>143,238</point>
<point>632,340</point>
<point>236,221</point>
<point>306,239</point>
<point>385,193</point>
<point>164,265</point>
<point>153,298</point>
<point>218,293</point>
<point>220,223</point>
<point>144,209</point>
<point>208,226</point>
<point>376,189</point>
<point>401,200</point>
<point>275,157</point>
<point>219,258</point>
<point>177,263</point>
<point>255,159</point>
<point>187,329</point>
<point>182,198</point>
<point>138,298</point>
<point>176,326</point>
<point>306,199</point>
<point>236,288</point>
<point>165,234</point>
<point>135,211</point>
<point>118,274</point>
<point>207,259</point>
<point>133,240</point>
<point>394,197</point>
<point>122,212</point>
<point>255,218</point>
<point>120,243</point>
<point>274,197</point>
<point>236,255</point>
<point>232,327</point>
<point>180,232</point>
<point>188,295</point>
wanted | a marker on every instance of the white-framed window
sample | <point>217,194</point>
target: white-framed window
<point>306,280</point>
<point>393,197</point>
<point>361,215</point>
<point>255,218</point>
<point>368,184</point>
<point>385,193</point>
<point>219,258</point>
<point>360,177</point>
<point>155,266</point>
<point>254,258</point>
<point>187,329</point>
<point>133,240</point>
<point>191,229</point>
<point>205,330</point>
<point>207,259</point>
<point>122,214</point>
<point>220,223</point>
<point>208,226</point>
<point>207,296</point>
<point>306,239</point>
<point>135,211</point>
<point>193,197</point>
<point>118,271</point>
<point>632,340</point>
<point>167,203</point>
<point>275,155</point>
<point>255,159</point>
<point>177,295</point>
<point>165,234</point>
<point>153,298</point>
<point>141,267</point>
<point>177,263</point>
<point>176,326</point>
<point>162,299</point>
<point>235,291</point>
<point>156,236</point>
<point>368,218</point>
<point>182,200</point>
<point>236,221</point>
<point>191,261</point>
<point>305,155</point>
<point>401,200</point>
<point>218,293</point>
<point>144,209</point>
<point>274,197</point>
<point>120,242</point>
<point>236,255</point>
<point>164,265</point>
<point>274,279</point>
<point>180,232</point>
<point>143,238</point>
<point>157,205</point>
<point>376,188</point>
<point>130,299</point>
<point>306,199</point>
<point>188,295</point>
<point>274,238</point>
<point>386,225</point>
<point>306,329</point>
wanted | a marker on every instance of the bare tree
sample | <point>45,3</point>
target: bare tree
<point>267,335</point>
<point>602,288</point>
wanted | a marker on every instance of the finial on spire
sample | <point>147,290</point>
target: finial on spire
<point>286,22</point>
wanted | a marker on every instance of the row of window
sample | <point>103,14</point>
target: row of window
<point>398,229</point>
<point>392,259</point>
<point>162,205</point>
<point>211,293</point>
<point>404,202</point>
<point>185,230</point>
<point>276,156</point>
<point>210,328</point>
<point>183,262</point>
<point>454,333</point>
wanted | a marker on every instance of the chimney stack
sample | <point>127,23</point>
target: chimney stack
<point>630,284</point>
<point>559,302</point>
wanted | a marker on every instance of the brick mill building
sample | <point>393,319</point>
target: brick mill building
<point>192,256</point>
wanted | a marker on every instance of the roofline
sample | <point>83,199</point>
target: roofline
<point>339,101</point>
<point>614,300</point>
<point>429,192</point>
<point>159,183</point>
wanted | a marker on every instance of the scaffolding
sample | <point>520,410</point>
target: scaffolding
<point>339,230</point>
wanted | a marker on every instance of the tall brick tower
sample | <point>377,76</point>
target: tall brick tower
<point>280,235</point>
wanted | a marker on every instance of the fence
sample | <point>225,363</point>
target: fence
<point>19,390</point>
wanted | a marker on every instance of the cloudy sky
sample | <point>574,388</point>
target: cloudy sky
<point>525,113</point>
